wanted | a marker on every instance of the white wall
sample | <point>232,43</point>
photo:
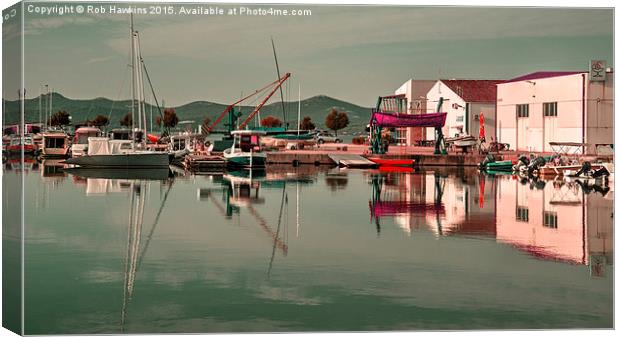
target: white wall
<point>567,91</point>
<point>456,116</point>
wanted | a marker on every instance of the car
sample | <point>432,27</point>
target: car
<point>325,137</point>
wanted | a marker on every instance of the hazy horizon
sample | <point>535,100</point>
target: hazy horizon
<point>352,53</point>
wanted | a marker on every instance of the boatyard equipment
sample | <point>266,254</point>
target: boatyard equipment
<point>229,110</point>
<point>389,113</point>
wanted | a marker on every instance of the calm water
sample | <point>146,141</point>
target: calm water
<point>314,250</point>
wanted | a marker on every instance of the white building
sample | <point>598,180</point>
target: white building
<point>536,109</point>
<point>464,100</point>
<point>415,94</point>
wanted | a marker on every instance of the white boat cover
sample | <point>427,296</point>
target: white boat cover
<point>98,146</point>
<point>102,145</point>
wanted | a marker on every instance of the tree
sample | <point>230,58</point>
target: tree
<point>271,122</point>
<point>100,121</point>
<point>306,124</point>
<point>336,120</point>
<point>206,124</point>
<point>126,120</point>
<point>60,118</point>
<point>170,118</point>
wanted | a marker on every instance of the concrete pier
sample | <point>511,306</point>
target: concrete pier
<point>320,157</point>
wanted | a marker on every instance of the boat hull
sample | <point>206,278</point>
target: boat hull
<point>392,162</point>
<point>565,170</point>
<point>122,160</point>
<point>245,159</point>
<point>386,119</point>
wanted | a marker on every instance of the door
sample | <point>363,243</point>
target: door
<point>551,124</point>
<point>522,115</point>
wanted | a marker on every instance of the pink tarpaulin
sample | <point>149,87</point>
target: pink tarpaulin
<point>390,120</point>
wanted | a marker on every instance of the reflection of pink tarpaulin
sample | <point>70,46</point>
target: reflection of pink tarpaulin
<point>390,120</point>
<point>389,208</point>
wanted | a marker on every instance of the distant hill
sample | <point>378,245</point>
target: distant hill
<point>315,107</point>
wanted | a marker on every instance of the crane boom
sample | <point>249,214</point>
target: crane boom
<point>278,83</point>
<point>253,113</point>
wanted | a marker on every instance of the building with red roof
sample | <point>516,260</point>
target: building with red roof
<point>464,101</point>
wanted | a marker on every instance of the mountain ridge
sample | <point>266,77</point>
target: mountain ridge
<point>316,107</point>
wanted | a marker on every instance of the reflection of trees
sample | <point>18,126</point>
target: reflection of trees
<point>336,183</point>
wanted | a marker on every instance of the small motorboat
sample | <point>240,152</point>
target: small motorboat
<point>246,150</point>
<point>392,161</point>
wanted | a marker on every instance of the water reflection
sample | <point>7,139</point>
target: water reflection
<point>559,220</point>
<point>225,237</point>
<point>562,220</point>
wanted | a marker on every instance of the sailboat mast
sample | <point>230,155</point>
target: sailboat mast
<point>133,78</point>
<point>51,101</point>
<point>142,107</point>
<point>273,46</point>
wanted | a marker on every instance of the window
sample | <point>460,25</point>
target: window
<point>460,118</point>
<point>550,219</point>
<point>53,142</point>
<point>523,214</point>
<point>523,110</point>
<point>550,109</point>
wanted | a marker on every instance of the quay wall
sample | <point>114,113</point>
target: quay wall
<point>322,158</point>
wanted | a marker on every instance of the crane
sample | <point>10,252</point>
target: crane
<point>274,87</point>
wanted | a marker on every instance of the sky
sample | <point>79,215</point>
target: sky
<point>353,53</point>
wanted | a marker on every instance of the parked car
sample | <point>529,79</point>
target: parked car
<point>325,137</point>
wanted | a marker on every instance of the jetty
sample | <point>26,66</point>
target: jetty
<point>351,160</point>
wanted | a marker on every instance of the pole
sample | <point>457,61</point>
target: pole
<point>40,93</point>
<point>298,112</point>
<point>47,104</point>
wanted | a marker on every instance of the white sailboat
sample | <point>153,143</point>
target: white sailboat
<point>106,153</point>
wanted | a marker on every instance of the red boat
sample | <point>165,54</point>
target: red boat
<point>392,161</point>
<point>17,143</point>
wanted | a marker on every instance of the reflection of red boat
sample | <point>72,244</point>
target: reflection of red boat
<point>391,161</point>
<point>399,169</point>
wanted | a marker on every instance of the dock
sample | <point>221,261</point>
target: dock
<point>351,160</point>
<point>317,157</point>
<point>204,162</point>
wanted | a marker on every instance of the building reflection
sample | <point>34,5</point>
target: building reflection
<point>557,220</point>
<point>562,220</point>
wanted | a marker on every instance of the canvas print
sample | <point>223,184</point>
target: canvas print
<point>252,167</point>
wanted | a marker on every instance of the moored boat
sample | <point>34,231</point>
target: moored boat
<point>246,150</point>
<point>392,161</point>
<point>80,140</point>
<point>504,165</point>
<point>55,144</point>
<point>106,153</point>
<point>564,170</point>
<point>388,119</point>
<point>17,144</point>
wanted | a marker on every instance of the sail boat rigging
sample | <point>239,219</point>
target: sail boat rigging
<point>106,153</point>
<point>273,46</point>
